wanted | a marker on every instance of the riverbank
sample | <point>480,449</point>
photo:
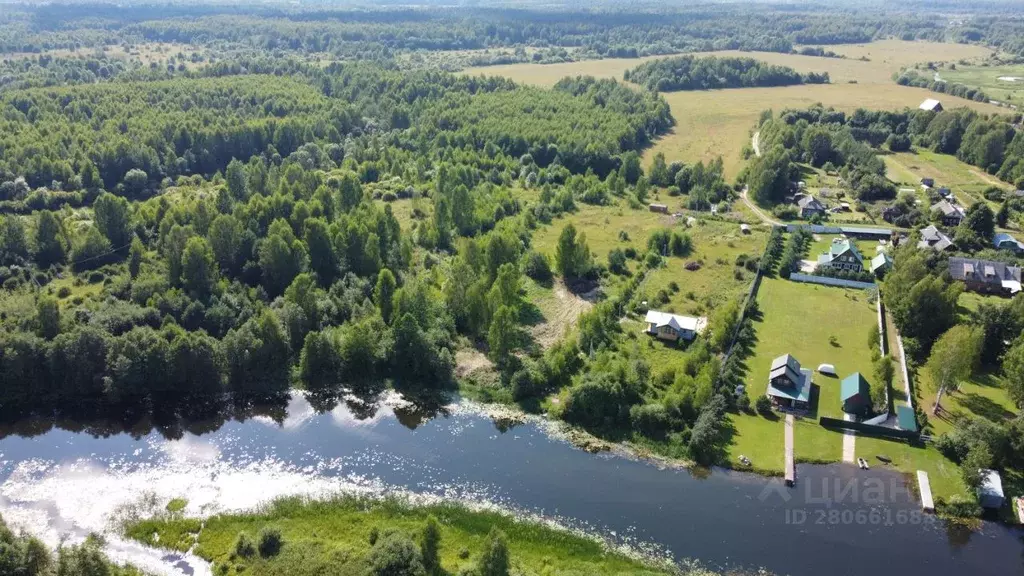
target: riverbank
<point>336,536</point>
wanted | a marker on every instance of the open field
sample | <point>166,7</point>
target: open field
<point>1002,83</point>
<point>895,54</point>
<point>966,182</point>
<point>719,123</point>
<point>334,537</point>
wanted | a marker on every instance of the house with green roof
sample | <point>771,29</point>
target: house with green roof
<point>881,264</point>
<point>842,255</point>
<point>789,385</point>
<point>855,394</point>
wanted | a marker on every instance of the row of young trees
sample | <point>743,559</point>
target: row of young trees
<point>710,72</point>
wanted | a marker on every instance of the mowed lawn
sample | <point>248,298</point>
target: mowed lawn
<point>799,319</point>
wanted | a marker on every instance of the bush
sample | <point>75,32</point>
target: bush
<point>395,555</point>
<point>651,420</point>
<point>244,546</point>
<point>743,403</point>
<point>763,406</point>
<point>270,542</point>
<point>958,506</point>
<point>64,292</point>
<point>96,277</point>
<point>537,267</point>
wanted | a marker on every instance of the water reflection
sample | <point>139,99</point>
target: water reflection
<point>172,420</point>
<point>59,474</point>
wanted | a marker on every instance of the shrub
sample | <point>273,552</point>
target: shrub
<point>650,420</point>
<point>395,554</point>
<point>537,267</point>
<point>495,558</point>
<point>763,405</point>
<point>270,542</point>
<point>64,292</point>
<point>743,403</point>
<point>374,535</point>
<point>96,277</point>
<point>244,545</point>
<point>388,197</point>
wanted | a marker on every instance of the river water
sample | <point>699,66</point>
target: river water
<point>66,481</point>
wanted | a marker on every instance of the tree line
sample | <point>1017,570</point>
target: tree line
<point>710,72</point>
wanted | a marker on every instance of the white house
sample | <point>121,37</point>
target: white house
<point>931,105</point>
<point>673,326</point>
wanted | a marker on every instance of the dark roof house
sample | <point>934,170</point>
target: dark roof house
<point>932,237</point>
<point>986,276</point>
<point>789,385</point>
<point>810,206</point>
<point>950,213</point>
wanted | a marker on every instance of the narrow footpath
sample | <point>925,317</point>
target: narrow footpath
<point>755,144</point>
<point>849,441</point>
<point>790,462</point>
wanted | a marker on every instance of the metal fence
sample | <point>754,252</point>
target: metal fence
<point>826,281</point>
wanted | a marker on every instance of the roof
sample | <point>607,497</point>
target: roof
<point>948,209</point>
<point>785,365</point>
<point>810,203</point>
<point>930,104</point>
<point>881,260</point>
<point>987,271</point>
<point>853,385</point>
<point>932,237</point>
<point>801,392</point>
<point>866,231</point>
<point>905,418</point>
<point>991,483</point>
<point>677,322</point>
<point>840,246</point>
<point>1003,237</point>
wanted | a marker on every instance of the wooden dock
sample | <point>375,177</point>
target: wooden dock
<point>790,463</point>
<point>925,487</point>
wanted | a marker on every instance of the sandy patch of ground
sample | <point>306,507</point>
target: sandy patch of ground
<point>564,317</point>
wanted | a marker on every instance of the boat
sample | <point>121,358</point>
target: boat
<point>863,464</point>
<point>744,460</point>
<point>884,459</point>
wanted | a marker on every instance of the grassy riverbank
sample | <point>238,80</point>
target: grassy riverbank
<point>333,537</point>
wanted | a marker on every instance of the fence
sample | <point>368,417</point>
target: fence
<point>849,230</point>
<point>825,280</point>
<point>867,428</point>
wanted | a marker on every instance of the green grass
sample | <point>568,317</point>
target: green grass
<point>965,181</point>
<point>943,474</point>
<point>758,438</point>
<point>334,534</point>
<point>983,396</point>
<point>800,319</point>
<point>987,78</point>
<point>177,505</point>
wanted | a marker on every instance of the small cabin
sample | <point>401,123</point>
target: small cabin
<point>658,208</point>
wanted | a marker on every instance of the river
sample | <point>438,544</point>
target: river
<point>69,480</point>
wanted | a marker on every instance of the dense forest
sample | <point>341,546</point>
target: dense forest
<point>606,31</point>
<point>826,137</point>
<point>709,73</point>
